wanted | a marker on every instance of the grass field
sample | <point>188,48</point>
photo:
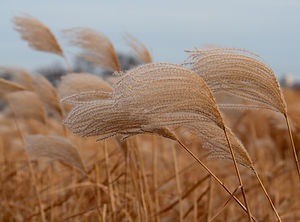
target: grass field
<point>145,119</point>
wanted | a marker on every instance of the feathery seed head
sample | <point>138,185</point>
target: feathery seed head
<point>47,94</point>
<point>55,148</point>
<point>150,99</point>
<point>98,49</point>
<point>239,73</point>
<point>36,34</point>
<point>139,49</point>
<point>74,83</point>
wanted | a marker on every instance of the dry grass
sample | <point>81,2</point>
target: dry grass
<point>54,148</point>
<point>48,95</point>
<point>38,35</point>
<point>139,49</point>
<point>26,104</point>
<point>9,87</point>
<point>240,73</point>
<point>97,48</point>
<point>65,193</point>
<point>132,174</point>
<point>74,83</point>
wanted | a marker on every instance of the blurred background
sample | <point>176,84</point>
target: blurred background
<point>269,28</point>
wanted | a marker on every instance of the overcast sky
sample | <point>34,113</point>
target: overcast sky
<point>270,28</point>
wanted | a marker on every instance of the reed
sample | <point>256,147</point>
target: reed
<point>127,174</point>
<point>38,36</point>
<point>97,48</point>
<point>148,99</point>
<point>240,73</point>
<point>139,49</point>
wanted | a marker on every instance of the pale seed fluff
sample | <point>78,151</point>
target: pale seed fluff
<point>149,99</point>
<point>54,148</point>
<point>239,73</point>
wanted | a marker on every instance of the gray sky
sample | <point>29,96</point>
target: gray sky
<point>267,27</point>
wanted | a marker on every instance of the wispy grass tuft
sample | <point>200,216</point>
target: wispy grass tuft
<point>139,49</point>
<point>54,148</point>
<point>150,98</point>
<point>97,48</point>
<point>242,74</point>
<point>38,35</point>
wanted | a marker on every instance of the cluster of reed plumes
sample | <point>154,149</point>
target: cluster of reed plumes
<point>139,146</point>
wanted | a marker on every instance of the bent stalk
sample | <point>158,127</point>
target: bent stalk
<point>293,145</point>
<point>239,176</point>
<point>215,177</point>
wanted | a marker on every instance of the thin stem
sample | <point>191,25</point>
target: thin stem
<point>154,176</point>
<point>140,182</point>
<point>267,195</point>
<point>144,181</point>
<point>209,202</point>
<point>109,184</point>
<point>220,211</point>
<point>215,177</point>
<point>97,192</point>
<point>178,184</point>
<point>94,191</point>
<point>126,156</point>
<point>293,145</point>
<point>239,175</point>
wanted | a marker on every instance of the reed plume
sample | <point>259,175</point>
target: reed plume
<point>128,111</point>
<point>38,36</point>
<point>214,141</point>
<point>148,99</point>
<point>97,48</point>
<point>74,83</point>
<point>54,148</point>
<point>48,95</point>
<point>139,49</point>
<point>241,73</point>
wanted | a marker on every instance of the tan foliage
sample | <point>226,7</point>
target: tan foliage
<point>26,104</point>
<point>75,83</point>
<point>9,87</point>
<point>139,49</point>
<point>81,82</point>
<point>47,94</point>
<point>97,48</point>
<point>213,140</point>
<point>37,35</point>
<point>55,148</point>
<point>148,99</point>
<point>19,76</point>
<point>239,73</point>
